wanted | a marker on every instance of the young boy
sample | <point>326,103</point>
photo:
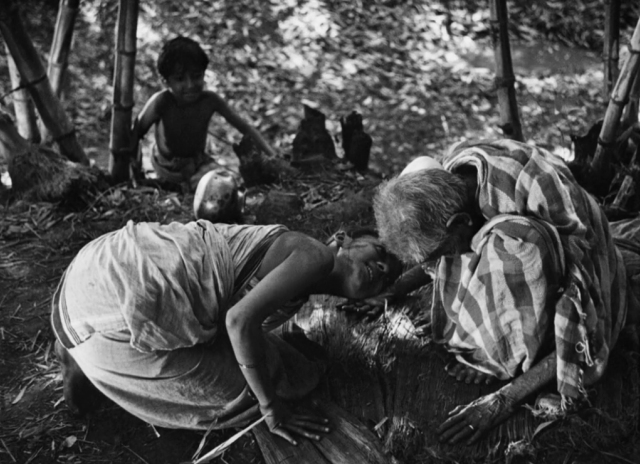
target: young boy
<point>181,114</point>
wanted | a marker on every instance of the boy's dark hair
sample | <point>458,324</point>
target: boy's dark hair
<point>181,53</point>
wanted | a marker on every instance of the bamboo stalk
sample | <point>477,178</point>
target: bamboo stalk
<point>505,79</point>
<point>60,46</point>
<point>630,115</point>
<point>62,37</point>
<point>120,142</point>
<point>606,140</point>
<point>610,54</point>
<point>26,122</point>
<point>35,79</point>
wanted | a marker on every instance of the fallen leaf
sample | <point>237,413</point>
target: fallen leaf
<point>69,441</point>
<point>20,395</point>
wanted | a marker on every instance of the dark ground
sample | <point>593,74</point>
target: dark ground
<point>422,78</point>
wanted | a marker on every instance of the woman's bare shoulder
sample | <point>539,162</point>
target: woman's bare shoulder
<point>307,250</point>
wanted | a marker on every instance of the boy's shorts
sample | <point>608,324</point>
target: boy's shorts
<point>181,170</point>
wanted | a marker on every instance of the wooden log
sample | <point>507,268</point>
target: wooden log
<point>505,79</point>
<point>607,138</point>
<point>123,79</point>
<point>35,79</point>
<point>25,114</point>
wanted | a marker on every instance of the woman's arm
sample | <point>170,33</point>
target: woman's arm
<point>296,265</point>
<point>469,422</point>
<point>243,126</point>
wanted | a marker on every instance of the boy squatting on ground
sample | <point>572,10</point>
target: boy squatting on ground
<point>181,114</point>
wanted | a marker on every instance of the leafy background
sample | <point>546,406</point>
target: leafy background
<point>420,72</point>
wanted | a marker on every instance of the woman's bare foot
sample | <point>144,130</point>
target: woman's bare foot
<point>468,374</point>
<point>81,396</point>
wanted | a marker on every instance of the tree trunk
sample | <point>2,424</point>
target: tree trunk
<point>35,80</point>
<point>60,46</point>
<point>619,96</point>
<point>26,121</point>
<point>505,79</point>
<point>610,54</point>
<point>120,144</point>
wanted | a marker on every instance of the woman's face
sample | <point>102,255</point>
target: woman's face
<point>368,265</point>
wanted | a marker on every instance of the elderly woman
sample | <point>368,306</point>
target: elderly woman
<point>528,282</point>
<point>172,322</point>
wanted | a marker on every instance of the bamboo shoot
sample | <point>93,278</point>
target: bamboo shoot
<point>505,79</point>
<point>26,121</point>
<point>120,143</point>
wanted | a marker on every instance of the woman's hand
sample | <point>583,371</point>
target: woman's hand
<point>286,423</point>
<point>369,308</point>
<point>469,422</point>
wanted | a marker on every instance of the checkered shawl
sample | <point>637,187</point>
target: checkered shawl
<point>545,258</point>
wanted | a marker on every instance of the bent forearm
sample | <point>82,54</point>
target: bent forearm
<point>411,280</point>
<point>531,381</point>
<point>259,139</point>
<point>250,351</point>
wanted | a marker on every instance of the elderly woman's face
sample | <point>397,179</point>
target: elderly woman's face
<point>369,265</point>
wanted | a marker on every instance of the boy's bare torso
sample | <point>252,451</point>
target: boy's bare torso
<point>181,130</point>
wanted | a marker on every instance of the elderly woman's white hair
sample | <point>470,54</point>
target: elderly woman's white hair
<point>421,163</point>
<point>412,209</point>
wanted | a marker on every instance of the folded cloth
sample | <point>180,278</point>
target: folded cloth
<point>168,285</point>
<point>495,298</point>
<point>176,169</point>
<point>589,310</point>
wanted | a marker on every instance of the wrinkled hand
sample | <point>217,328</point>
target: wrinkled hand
<point>286,422</point>
<point>369,308</point>
<point>469,422</point>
